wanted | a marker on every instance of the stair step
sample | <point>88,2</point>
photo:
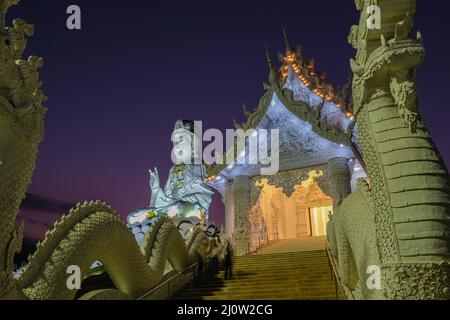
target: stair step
<point>259,290</point>
<point>287,276</point>
<point>331,296</point>
<point>266,280</point>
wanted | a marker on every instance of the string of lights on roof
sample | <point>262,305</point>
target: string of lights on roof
<point>306,73</point>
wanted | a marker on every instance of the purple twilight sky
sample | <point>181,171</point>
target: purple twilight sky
<point>117,86</point>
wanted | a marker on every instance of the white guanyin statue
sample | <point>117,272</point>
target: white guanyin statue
<point>185,194</point>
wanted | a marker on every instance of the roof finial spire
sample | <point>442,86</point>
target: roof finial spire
<point>269,58</point>
<point>287,42</point>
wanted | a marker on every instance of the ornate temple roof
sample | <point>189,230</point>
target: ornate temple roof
<point>294,65</point>
<point>313,117</point>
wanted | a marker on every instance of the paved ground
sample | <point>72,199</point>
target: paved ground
<point>295,245</point>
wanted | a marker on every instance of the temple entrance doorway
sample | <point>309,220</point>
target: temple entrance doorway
<point>303,213</point>
<point>319,217</point>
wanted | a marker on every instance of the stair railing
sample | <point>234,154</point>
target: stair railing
<point>192,268</point>
<point>334,273</point>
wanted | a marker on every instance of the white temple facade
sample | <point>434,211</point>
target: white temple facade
<point>316,134</point>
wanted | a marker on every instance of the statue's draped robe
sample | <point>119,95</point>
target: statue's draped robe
<point>185,191</point>
<point>186,183</point>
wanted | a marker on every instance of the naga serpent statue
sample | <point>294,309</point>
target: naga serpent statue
<point>399,220</point>
<point>90,232</point>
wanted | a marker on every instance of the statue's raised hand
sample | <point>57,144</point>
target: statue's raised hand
<point>154,179</point>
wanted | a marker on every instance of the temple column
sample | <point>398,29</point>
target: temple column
<point>229,211</point>
<point>242,203</point>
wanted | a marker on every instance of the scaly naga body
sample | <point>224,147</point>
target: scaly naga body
<point>21,130</point>
<point>90,232</point>
<point>400,220</point>
<point>94,232</point>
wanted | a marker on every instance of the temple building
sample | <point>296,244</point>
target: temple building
<point>316,132</point>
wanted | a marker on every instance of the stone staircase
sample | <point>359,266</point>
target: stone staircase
<point>304,275</point>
